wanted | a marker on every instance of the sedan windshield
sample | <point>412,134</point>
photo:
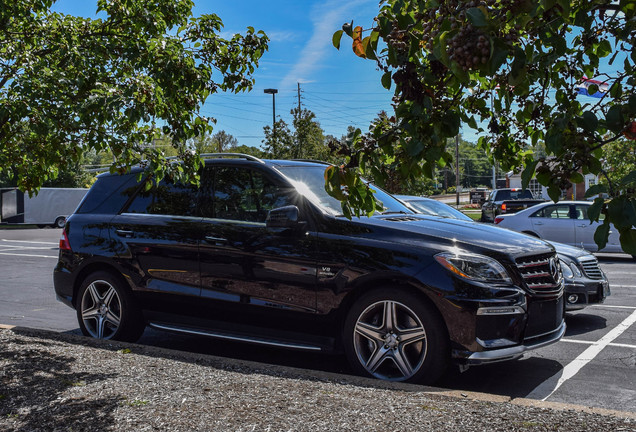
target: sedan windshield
<point>310,182</point>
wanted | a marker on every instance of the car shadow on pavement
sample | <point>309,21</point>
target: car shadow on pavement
<point>581,323</point>
<point>515,378</point>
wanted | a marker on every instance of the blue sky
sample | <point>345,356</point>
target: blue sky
<point>340,88</point>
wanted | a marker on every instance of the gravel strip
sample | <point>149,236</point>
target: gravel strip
<point>56,382</point>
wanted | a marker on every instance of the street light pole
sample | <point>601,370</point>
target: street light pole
<point>273,93</point>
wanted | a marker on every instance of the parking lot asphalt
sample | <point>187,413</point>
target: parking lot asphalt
<point>594,365</point>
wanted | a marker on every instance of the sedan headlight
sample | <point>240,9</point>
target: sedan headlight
<point>567,271</point>
<point>473,267</point>
<point>570,270</point>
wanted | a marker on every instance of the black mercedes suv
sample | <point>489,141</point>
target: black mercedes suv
<point>260,253</point>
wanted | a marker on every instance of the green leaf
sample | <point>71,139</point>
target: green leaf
<point>337,36</point>
<point>628,179</point>
<point>595,190</point>
<point>386,80</point>
<point>594,212</point>
<point>604,49</point>
<point>577,177</point>
<point>554,193</point>
<point>528,173</point>
<point>628,241</point>
<point>590,122</point>
<point>477,17</point>
<point>601,234</point>
<point>614,119</point>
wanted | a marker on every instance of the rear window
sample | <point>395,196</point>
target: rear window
<point>109,194</point>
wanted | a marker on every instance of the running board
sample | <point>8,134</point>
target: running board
<point>236,338</point>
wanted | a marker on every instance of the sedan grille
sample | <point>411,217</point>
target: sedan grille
<point>591,268</point>
<point>541,274</point>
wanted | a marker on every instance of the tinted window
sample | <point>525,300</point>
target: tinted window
<point>241,194</point>
<point>166,198</point>
<point>109,194</point>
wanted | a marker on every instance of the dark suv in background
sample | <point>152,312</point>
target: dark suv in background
<point>260,253</point>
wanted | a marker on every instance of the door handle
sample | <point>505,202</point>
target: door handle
<point>538,223</point>
<point>124,233</point>
<point>582,226</point>
<point>215,240</point>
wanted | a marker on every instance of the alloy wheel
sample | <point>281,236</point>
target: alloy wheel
<point>390,341</point>
<point>101,310</point>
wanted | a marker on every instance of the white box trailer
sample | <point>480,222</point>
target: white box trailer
<point>51,206</point>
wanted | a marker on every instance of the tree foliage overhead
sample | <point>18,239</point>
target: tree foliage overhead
<point>69,84</point>
<point>513,65</point>
<point>306,141</point>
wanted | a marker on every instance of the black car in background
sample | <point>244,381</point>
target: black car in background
<point>260,253</point>
<point>585,282</point>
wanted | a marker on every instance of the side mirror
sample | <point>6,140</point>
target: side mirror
<point>282,217</point>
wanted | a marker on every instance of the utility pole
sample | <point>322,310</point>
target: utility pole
<point>298,98</point>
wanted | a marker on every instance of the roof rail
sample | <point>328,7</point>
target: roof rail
<point>233,155</point>
<point>312,160</point>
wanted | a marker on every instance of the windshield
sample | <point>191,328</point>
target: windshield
<point>310,182</point>
<point>435,208</point>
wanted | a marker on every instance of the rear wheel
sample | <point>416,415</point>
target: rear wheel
<point>107,310</point>
<point>395,336</point>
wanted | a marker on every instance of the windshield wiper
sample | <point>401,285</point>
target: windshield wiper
<point>394,212</point>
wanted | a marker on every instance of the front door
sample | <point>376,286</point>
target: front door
<point>249,274</point>
<point>554,223</point>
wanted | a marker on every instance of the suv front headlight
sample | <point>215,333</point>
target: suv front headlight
<point>473,267</point>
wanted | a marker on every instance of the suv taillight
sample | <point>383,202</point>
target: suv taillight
<point>498,219</point>
<point>64,243</point>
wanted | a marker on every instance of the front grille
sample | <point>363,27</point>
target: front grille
<point>591,268</point>
<point>541,274</point>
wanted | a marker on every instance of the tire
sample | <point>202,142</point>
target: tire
<point>59,222</point>
<point>107,310</point>
<point>374,338</point>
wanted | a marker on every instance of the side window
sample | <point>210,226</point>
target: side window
<point>556,212</point>
<point>245,195</point>
<point>553,212</point>
<point>580,213</point>
<point>166,198</point>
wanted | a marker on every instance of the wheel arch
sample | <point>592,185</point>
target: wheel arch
<point>362,287</point>
<point>93,268</point>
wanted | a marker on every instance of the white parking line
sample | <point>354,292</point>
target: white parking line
<point>582,342</point>
<point>552,384</point>
<point>613,306</point>
<point>27,241</point>
<point>28,255</point>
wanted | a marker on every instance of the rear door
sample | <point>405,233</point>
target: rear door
<point>584,231</point>
<point>157,237</point>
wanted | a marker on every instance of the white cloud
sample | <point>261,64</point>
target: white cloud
<point>326,18</point>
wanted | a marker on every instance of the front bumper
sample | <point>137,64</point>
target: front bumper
<point>509,353</point>
<point>583,292</point>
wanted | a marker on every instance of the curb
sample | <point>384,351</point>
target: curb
<point>319,375</point>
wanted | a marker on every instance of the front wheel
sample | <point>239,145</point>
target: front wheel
<point>106,310</point>
<point>395,336</point>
